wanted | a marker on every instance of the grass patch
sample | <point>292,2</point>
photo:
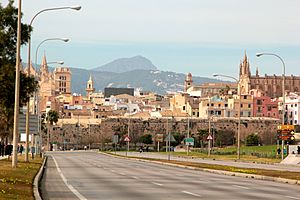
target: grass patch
<point>17,183</point>
<point>258,154</point>
<point>264,172</point>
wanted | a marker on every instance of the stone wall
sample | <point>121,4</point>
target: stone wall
<point>102,133</point>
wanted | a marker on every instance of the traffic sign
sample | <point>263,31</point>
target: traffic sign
<point>170,137</point>
<point>209,137</point>
<point>33,123</point>
<point>127,139</point>
<point>159,137</point>
<point>189,141</point>
<point>115,139</point>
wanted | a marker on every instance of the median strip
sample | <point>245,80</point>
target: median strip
<point>262,174</point>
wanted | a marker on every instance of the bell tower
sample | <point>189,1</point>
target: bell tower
<point>89,87</point>
<point>188,83</point>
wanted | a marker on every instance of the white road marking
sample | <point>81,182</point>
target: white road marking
<point>135,177</point>
<point>112,170</point>
<point>159,184</point>
<point>67,184</point>
<point>292,197</point>
<point>243,187</point>
<point>122,174</point>
<point>190,193</point>
<point>179,174</point>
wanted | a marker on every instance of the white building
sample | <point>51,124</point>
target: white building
<point>292,105</point>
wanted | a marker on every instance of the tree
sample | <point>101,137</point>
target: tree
<point>52,117</point>
<point>252,140</point>
<point>224,137</point>
<point>146,139</point>
<point>8,38</point>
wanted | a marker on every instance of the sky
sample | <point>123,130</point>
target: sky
<point>198,36</point>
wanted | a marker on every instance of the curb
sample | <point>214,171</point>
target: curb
<point>220,172</point>
<point>37,179</point>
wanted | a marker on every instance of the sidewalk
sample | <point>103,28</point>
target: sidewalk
<point>279,167</point>
<point>2,158</point>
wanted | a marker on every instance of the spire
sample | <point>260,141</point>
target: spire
<point>44,66</point>
<point>257,71</point>
<point>90,79</point>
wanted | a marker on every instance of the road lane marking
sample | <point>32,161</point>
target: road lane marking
<point>122,174</point>
<point>190,193</point>
<point>71,188</point>
<point>292,197</point>
<point>135,177</point>
<point>243,187</point>
<point>159,184</point>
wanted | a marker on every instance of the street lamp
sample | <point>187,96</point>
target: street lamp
<point>17,90</point>
<point>239,112</point>
<point>283,90</point>
<point>37,49</point>
<point>29,61</point>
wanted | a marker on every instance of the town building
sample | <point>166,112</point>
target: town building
<point>264,106</point>
<point>292,104</point>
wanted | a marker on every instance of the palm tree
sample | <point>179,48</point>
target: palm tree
<point>51,118</point>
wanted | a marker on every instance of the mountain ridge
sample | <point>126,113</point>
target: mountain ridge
<point>121,65</point>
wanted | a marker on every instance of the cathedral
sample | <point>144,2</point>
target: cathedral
<point>270,85</point>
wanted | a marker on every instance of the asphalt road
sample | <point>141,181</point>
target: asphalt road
<point>89,175</point>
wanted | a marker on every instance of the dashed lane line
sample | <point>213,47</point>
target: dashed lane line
<point>242,187</point>
<point>290,197</point>
<point>190,193</point>
<point>155,183</point>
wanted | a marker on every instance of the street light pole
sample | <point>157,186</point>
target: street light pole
<point>17,91</point>
<point>239,113</point>
<point>49,39</point>
<point>28,68</point>
<point>283,91</point>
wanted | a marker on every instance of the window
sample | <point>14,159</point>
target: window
<point>241,105</point>
<point>295,105</point>
<point>183,108</point>
<point>296,121</point>
<point>245,97</point>
<point>226,105</point>
<point>258,101</point>
<point>295,112</point>
<point>249,105</point>
<point>269,108</point>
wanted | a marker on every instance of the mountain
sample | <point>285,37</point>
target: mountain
<point>157,81</point>
<point>127,64</point>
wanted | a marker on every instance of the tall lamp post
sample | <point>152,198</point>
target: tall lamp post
<point>283,91</point>
<point>17,90</point>
<point>239,114</point>
<point>49,39</point>
<point>29,62</point>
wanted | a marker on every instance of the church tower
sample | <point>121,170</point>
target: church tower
<point>245,74</point>
<point>188,83</point>
<point>89,87</point>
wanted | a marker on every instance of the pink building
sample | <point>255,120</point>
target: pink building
<point>264,106</point>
